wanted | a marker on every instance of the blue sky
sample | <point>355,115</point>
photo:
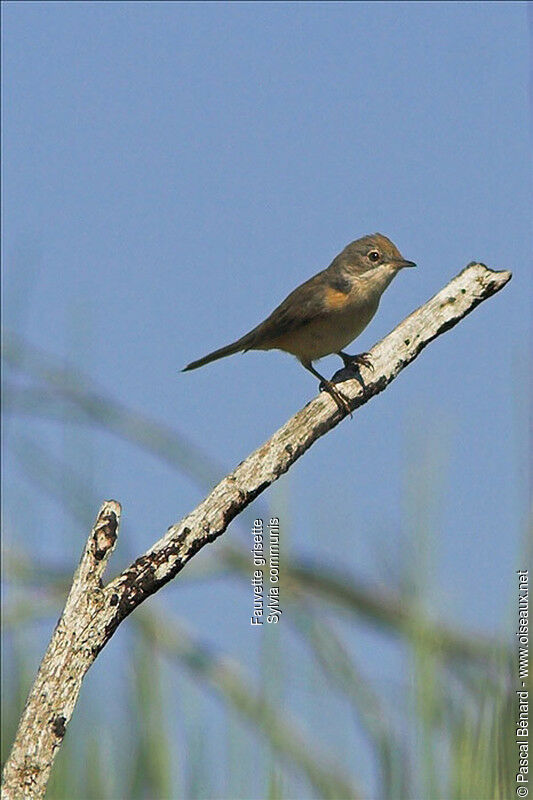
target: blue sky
<point>172,171</point>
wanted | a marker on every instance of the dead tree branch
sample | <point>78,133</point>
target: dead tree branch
<point>94,611</point>
<point>67,659</point>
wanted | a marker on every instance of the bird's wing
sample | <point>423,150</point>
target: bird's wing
<point>313,299</point>
<point>305,304</point>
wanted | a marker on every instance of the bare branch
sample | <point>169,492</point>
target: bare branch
<point>67,659</point>
<point>93,613</point>
<point>211,518</point>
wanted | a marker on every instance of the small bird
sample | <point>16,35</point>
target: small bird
<point>327,312</point>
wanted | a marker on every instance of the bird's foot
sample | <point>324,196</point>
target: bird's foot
<point>360,360</point>
<point>342,401</point>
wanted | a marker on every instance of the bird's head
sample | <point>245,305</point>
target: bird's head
<point>371,252</point>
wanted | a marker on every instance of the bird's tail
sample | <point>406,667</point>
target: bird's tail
<point>222,352</point>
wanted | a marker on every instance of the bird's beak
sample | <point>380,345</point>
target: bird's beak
<point>403,263</point>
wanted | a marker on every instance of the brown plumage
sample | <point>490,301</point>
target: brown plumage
<point>328,311</point>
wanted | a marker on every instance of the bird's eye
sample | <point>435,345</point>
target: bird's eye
<point>374,255</point>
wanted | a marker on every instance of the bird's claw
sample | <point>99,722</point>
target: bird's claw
<point>360,360</point>
<point>342,401</point>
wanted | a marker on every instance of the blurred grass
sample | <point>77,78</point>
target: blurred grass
<point>450,735</point>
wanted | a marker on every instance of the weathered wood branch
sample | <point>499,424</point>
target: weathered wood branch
<point>93,611</point>
<point>67,659</point>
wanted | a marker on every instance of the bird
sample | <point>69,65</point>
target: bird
<point>327,312</point>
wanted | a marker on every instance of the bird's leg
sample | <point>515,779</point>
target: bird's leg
<point>363,359</point>
<point>339,398</point>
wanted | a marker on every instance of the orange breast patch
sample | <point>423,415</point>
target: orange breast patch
<point>335,299</point>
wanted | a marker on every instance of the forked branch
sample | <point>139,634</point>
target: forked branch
<point>94,611</point>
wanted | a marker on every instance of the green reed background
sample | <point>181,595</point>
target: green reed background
<point>145,723</point>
